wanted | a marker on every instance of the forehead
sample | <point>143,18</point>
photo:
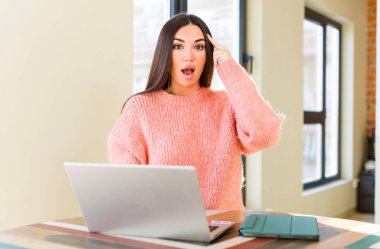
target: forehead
<point>189,32</point>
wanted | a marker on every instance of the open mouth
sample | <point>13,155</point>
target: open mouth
<point>188,70</point>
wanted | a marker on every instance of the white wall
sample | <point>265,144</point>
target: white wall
<point>275,39</point>
<point>65,70</point>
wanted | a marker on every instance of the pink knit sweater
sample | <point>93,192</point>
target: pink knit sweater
<point>206,129</point>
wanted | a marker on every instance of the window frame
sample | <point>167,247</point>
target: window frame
<point>311,117</point>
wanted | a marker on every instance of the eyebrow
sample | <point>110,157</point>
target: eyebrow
<point>198,40</point>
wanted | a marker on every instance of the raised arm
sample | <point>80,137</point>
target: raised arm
<point>258,125</point>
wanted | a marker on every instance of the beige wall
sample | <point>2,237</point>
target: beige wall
<point>275,40</point>
<point>65,69</point>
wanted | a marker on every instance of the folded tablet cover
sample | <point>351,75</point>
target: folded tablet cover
<point>280,226</point>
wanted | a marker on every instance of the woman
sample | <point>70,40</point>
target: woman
<point>179,120</point>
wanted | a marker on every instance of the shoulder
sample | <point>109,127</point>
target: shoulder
<point>139,101</point>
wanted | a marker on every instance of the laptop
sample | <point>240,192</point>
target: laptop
<point>143,200</point>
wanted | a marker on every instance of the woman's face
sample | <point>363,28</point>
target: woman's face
<point>188,60</point>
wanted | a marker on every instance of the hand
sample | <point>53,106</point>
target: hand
<point>220,53</point>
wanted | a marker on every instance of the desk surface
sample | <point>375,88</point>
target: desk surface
<point>70,233</point>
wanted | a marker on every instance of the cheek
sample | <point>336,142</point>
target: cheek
<point>174,61</point>
<point>174,56</point>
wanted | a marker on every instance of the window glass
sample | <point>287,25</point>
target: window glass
<point>313,66</point>
<point>312,152</point>
<point>149,17</point>
<point>332,100</point>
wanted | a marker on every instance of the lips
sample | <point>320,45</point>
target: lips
<point>188,70</point>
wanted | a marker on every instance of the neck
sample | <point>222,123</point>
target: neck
<point>182,91</point>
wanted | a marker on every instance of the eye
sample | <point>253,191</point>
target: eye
<point>177,46</point>
<point>199,47</point>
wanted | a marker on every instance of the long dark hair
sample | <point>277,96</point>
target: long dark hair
<point>159,75</point>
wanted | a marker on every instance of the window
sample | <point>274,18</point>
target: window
<point>321,51</point>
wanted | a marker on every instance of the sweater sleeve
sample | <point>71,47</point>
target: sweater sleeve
<point>126,144</point>
<point>258,125</point>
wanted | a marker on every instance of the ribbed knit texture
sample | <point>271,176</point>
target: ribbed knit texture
<point>206,129</point>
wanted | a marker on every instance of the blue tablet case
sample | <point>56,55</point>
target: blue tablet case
<point>280,226</point>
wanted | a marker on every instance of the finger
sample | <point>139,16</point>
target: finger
<point>217,56</point>
<point>215,43</point>
<point>221,55</point>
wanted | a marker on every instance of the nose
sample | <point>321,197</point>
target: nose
<point>189,55</point>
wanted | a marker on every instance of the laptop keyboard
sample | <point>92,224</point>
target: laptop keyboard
<point>212,228</point>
